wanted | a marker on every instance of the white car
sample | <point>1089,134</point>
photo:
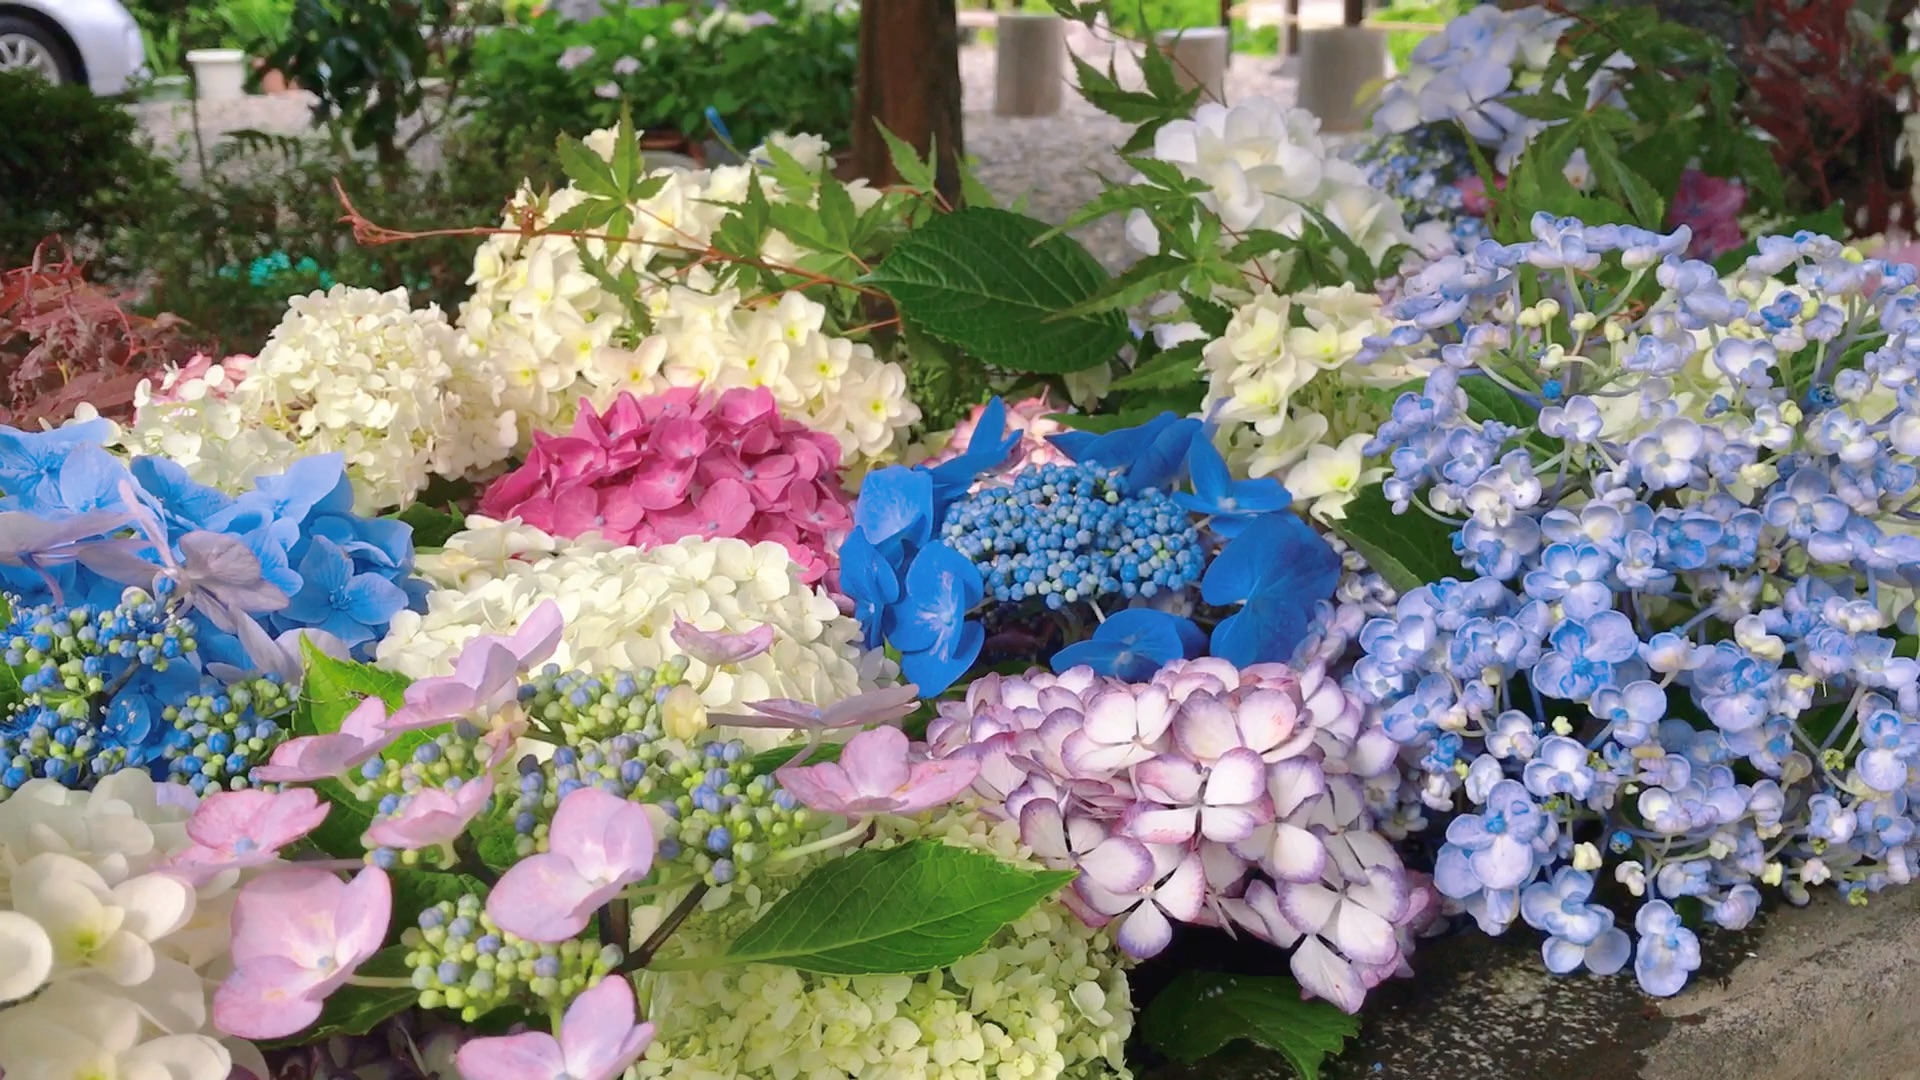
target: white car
<point>94,43</point>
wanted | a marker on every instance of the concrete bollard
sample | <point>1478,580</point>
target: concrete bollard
<point>1030,65</point>
<point>1336,64</point>
<point>1200,55</point>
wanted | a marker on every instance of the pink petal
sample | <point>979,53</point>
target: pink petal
<point>317,757</point>
<point>607,839</point>
<point>1203,728</point>
<point>1267,717</point>
<point>538,636</point>
<point>1145,932</point>
<point>286,912</point>
<point>1169,781</point>
<point>715,649</point>
<point>361,916</point>
<point>533,1055</point>
<point>264,1000</point>
<point>242,822</point>
<point>876,761</point>
<point>1112,718</point>
<point>1043,829</point>
<point>1239,776</point>
<point>544,898</point>
<point>1296,855</point>
<point>823,787</point>
<point>597,1035</point>
<point>1322,973</point>
<point>936,783</point>
<point>1118,863</point>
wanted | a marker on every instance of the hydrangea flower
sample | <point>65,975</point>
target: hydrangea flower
<point>684,463</point>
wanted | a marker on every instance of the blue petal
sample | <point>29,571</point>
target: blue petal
<point>1158,464</point>
<point>1211,480</point>
<point>90,479</point>
<point>933,672</point>
<point>1074,444</point>
<point>373,601</point>
<point>179,495</point>
<point>896,503</point>
<point>869,581</point>
<point>325,570</point>
<point>942,587</point>
<point>1101,656</point>
<point>1145,630</point>
<point>1122,447</point>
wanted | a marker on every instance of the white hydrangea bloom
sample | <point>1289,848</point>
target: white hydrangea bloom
<point>1046,999</point>
<point>106,961</point>
<point>553,335</point>
<point>620,603</point>
<point>349,370</point>
<point>1282,379</point>
<point>1267,165</point>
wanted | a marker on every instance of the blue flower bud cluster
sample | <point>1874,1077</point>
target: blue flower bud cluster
<point>1681,651</point>
<point>462,962</point>
<point>719,818</point>
<point>105,688</point>
<point>1063,534</point>
<point>1421,169</point>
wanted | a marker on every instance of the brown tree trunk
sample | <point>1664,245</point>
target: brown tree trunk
<point>1355,12</point>
<point>909,81</point>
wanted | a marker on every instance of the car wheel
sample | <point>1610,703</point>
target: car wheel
<point>26,46</point>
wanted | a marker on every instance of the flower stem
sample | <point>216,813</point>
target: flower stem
<point>665,930</point>
<point>380,982</point>
<point>859,826</point>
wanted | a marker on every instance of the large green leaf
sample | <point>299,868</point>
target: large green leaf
<point>912,908</point>
<point>1201,1012</point>
<point>1408,550</point>
<point>976,279</point>
<point>329,690</point>
<point>415,891</point>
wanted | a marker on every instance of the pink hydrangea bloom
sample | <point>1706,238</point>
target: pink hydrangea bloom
<point>598,844</point>
<point>363,734</point>
<point>685,463</point>
<point>485,677</point>
<point>1473,194</point>
<point>1710,207</point>
<point>716,649</point>
<point>433,816</point>
<point>298,935</point>
<point>1029,418</point>
<point>170,387</point>
<point>1211,794</point>
<point>232,829</point>
<point>598,1040</point>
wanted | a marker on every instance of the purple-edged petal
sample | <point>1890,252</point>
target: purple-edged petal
<point>1145,932</point>
<point>1297,855</point>
<point>1204,729</point>
<point>1365,937</point>
<point>1043,828</point>
<point>1119,864</point>
<point>1291,783</point>
<point>1238,777</point>
<point>1183,895</point>
<point>1169,781</point>
<point>1161,826</point>
<point>1231,824</point>
<point>1322,973</point>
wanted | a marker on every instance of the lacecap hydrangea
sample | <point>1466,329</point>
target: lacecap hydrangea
<point>1675,659</point>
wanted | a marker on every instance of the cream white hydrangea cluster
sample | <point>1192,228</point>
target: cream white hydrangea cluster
<point>355,371</point>
<point>1266,165</point>
<point>554,335</point>
<point>1290,401</point>
<point>620,604</point>
<point>106,963</point>
<point>1047,999</point>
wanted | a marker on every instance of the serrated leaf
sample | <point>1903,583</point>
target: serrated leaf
<point>432,527</point>
<point>587,169</point>
<point>767,761</point>
<point>591,215</point>
<point>973,192</point>
<point>894,911</point>
<point>626,155</point>
<point>329,689</point>
<point>1408,550</point>
<point>976,279</point>
<point>1202,1012</point>
<point>1150,276</point>
<point>906,160</point>
<point>1117,198</point>
<point>837,214</point>
<point>1173,369</point>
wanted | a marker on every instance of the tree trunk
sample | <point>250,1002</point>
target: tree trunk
<point>1355,13</point>
<point>909,81</point>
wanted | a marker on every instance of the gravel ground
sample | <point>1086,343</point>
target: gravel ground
<point>1054,162</point>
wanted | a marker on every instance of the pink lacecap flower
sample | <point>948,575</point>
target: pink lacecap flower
<point>717,648</point>
<point>599,844</point>
<point>166,390</point>
<point>433,816</point>
<point>685,463</point>
<point>598,1040</point>
<point>1029,417</point>
<point>232,829</point>
<point>485,677</point>
<point>362,735</point>
<point>1208,794</point>
<point>1710,207</point>
<point>1473,194</point>
<point>298,935</point>
<point>876,776</point>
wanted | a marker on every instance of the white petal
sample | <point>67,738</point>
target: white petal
<point>1162,826</point>
<point>180,1057</point>
<point>1322,973</point>
<point>1291,783</point>
<point>1184,894</point>
<point>125,958</point>
<point>1120,864</point>
<point>1297,854</point>
<point>1366,938</point>
<point>26,956</point>
<point>1308,907</point>
<point>1239,777</point>
<point>173,998</point>
<point>156,905</point>
<point>1145,932</point>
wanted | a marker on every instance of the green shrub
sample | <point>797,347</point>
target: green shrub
<point>1163,15</point>
<point>669,64</point>
<point>69,164</point>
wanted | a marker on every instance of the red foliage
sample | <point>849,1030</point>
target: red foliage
<point>1828,95</point>
<point>65,340</point>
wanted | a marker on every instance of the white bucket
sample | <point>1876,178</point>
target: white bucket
<point>219,74</point>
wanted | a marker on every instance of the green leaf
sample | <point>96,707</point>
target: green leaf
<point>976,279</point>
<point>767,761</point>
<point>1201,1012</point>
<point>415,891</point>
<point>1101,423</point>
<point>1408,550</point>
<point>329,690</point>
<point>626,155</point>
<point>1488,400</point>
<point>590,215</point>
<point>1170,370</point>
<point>1154,274</point>
<point>837,214</point>
<point>902,910</point>
<point>587,169</point>
<point>432,527</point>
<point>356,1010</point>
<point>906,161</point>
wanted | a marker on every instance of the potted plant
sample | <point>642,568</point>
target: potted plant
<point>259,27</point>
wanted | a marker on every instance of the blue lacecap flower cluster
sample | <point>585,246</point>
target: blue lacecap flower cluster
<point>1679,649</point>
<point>265,270</point>
<point>1141,516</point>
<point>1421,170</point>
